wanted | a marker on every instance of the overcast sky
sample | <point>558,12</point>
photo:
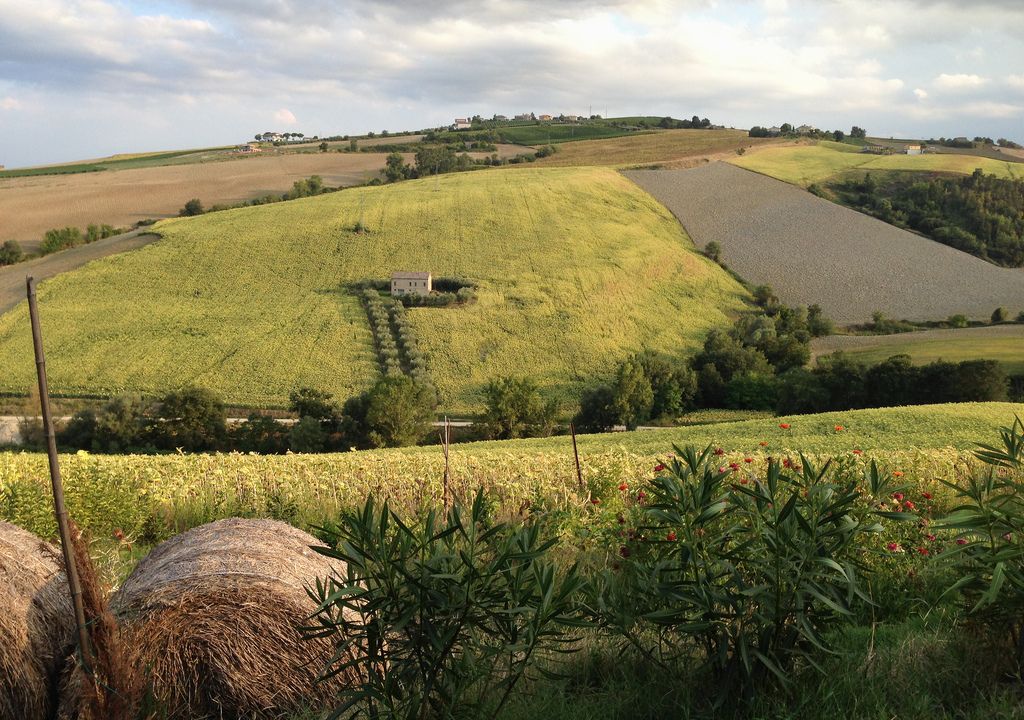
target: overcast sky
<point>87,78</point>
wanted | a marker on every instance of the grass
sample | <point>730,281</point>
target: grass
<point>115,162</point>
<point>662,146</point>
<point>1003,343</point>
<point>558,133</point>
<point>575,269</point>
<point>806,164</point>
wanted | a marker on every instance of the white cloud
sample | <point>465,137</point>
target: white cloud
<point>920,94</point>
<point>10,103</point>
<point>1015,81</point>
<point>285,116</point>
<point>960,81</point>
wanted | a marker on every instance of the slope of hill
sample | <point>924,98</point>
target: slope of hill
<point>806,164</point>
<point>813,251</point>
<point>575,268</point>
<point>1004,343</point>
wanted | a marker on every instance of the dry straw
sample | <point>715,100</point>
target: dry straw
<point>36,624</point>
<point>213,618</point>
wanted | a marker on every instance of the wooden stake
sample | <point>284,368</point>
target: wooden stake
<point>576,454</point>
<point>60,511</point>
<point>446,439</point>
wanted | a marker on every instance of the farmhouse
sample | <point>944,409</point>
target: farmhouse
<point>571,118</point>
<point>411,283</point>
<point>525,116</point>
<point>805,129</point>
<point>461,124</point>
<point>912,149</point>
<point>774,130</point>
<point>249,148</point>
<point>544,117</point>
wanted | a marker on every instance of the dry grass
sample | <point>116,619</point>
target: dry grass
<point>676,148</point>
<point>35,624</point>
<point>215,613</point>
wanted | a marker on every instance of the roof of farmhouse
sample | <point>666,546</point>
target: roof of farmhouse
<point>400,275</point>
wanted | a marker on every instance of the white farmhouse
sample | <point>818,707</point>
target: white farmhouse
<point>411,283</point>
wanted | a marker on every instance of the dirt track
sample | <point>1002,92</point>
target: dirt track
<point>813,251</point>
<point>12,278</point>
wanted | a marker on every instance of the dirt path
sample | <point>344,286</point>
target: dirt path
<point>12,277</point>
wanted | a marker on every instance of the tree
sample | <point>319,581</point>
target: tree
<point>323,147</point>
<point>597,410</point>
<point>515,409</point>
<point>714,251</point>
<point>838,135</point>
<point>1000,315</point>
<point>858,132</point>
<point>307,436</point>
<point>315,404</point>
<point>192,207</point>
<point>633,394</point>
<point>192,419</point>
<point>10,253</point>
<point>353,145</point>
<point>786,128</point>
<point>398,412</point>
<point>396,168</point>
<point>60,239</point>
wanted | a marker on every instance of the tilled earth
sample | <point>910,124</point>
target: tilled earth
<point>813,251</point>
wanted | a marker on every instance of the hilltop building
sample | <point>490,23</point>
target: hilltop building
<point>544,117</point>
<point>248,148</point>
<point>525,116</point>
<point>411,283</point>
<point>805,129</point>
<point>461,124</point>
<point>912,149</point>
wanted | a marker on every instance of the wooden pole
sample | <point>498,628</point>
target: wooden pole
<point>576,454</point>
<point>60,511</point>
<point>445,442</point>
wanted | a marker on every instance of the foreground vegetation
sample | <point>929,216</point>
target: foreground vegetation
<point>574,270</point>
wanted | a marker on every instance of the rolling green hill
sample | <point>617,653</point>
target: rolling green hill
<point>806,164</point>
<point>574,268</point>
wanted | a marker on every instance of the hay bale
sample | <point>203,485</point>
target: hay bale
<point>214,615</point>
<point>36,624</point>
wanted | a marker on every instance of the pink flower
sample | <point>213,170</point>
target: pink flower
<point>893,547</point>
<point>839,428</point>
<point>659,467</point>
<point>623,487</point>
<point>858,452</point>
<point>641,496</point>
<point>734,466</point>
<point>595,501</point>
<point>926,496</point>
<point>961,541</point>
<point>898,497</point>
<point>671,537</point>
<point>719,452</point>
<point>922,551</point>
<point>931,538</point>
<point>897,473</point>
<point>908,505</point>
<point>784,426</point>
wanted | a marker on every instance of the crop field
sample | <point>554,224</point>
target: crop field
<point>165,494</point>
<point>813,251</point>
<point>558,133</point>
<point>1004,343</point>
<point>806,164</point>
<point>574,268</point>
<point>670,147</point>
<point>29,205</point>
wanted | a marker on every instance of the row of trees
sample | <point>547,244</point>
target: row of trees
<point>980,214</point>
<point>56,240</point>
<point>307,187</point>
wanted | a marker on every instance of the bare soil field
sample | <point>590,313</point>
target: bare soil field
<point>29,206</point>
<point>12,277</point>
<point>813,251</point>
<point>673,148</point>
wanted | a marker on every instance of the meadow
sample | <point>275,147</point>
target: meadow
<point>545,134</point>
<point>153,497</point>
<point>575,269</point>
<point>806,164</point>
<point>1004,343</point>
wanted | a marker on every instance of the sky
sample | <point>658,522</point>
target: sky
<point>88,78</point>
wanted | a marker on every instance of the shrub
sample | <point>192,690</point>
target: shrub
<point>714,251</point>
<point>957,321</point>
<point>441,617</point>
<point>315,404</point>
<point>260,434</point>
<point>1000,315</point>
<point>742,571</point>
<point>396,411</point>
<point>191,419</point>
<point>192,207</point>
<point>307,436</point>
<point>11,253</point>
<point>597,410</point>
<point>515,409</point>
<point>60,239</point>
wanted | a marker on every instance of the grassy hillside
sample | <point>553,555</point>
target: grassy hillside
<point>1004,343</point>
<point>575,269</point>
<point>558,133</point>
<point>806,164</point>
<point>170,493</point>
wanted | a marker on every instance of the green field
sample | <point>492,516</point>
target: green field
<point>1003,343</point>
<point>170,493</point>
<point>575,269</point>
<point>116,162</point>
<point>806,164</point>
<point>558,133</point>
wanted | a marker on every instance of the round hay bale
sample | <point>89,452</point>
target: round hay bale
<point>214,616</point>
<point>36,624</point>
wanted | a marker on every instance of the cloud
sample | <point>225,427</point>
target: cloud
<point>285,116</point>
<point>1015,81</point>
<point>960,81</point>
<point>920,94</point>
<point>10,103</point>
